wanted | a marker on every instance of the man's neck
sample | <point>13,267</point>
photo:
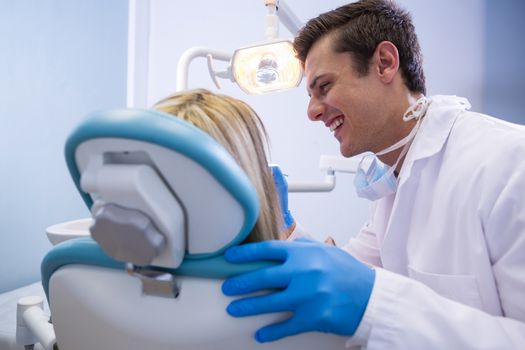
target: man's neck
<point>403,129</point>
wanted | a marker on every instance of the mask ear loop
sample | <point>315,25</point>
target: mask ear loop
<point>401,142</point>
<point>417,110</point>
<point>405,149</point>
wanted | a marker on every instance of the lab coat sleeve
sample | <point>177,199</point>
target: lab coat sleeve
<point>505,237</point>
<point>406,314</point>
<point>364,246</point>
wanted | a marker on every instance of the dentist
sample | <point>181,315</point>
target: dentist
<point>440,264</point>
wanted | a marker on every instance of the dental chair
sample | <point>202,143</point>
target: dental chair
<point>166,202</point>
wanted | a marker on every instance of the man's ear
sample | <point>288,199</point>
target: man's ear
<point>386,59</point>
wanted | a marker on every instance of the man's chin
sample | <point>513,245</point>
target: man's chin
<point>346,152</point>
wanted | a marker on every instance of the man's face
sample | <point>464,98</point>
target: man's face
<point>351,106</point>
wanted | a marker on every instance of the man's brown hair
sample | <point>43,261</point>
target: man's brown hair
<point>359,27</point>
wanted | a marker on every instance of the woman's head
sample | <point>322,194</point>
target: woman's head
<point>236,126</point>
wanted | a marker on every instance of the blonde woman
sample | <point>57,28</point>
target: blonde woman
<point>236,126</point>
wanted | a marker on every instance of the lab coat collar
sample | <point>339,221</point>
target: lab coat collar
<point>429,141</point>
<point>435,128</point>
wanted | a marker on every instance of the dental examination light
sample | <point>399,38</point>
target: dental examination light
<point>266,66</point>
<point>270,65</point>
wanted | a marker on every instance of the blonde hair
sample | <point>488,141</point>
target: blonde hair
<point>236,126</point>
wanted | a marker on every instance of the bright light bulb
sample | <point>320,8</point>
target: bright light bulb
<point>266,67</point>
<point>267,70</point>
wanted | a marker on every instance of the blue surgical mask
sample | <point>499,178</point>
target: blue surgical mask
<point>379,180</point>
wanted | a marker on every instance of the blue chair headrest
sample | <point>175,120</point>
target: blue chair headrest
<point>219,204</point>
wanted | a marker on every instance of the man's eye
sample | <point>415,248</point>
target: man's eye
<point>324,87</point>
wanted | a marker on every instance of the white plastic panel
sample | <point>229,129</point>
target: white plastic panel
<point>214,216</point>
<point>96,308</point>
<point>140,187</point>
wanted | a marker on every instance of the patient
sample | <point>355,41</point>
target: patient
<point>236,126</point>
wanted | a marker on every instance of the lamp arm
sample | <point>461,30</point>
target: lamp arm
<point>326,186</point>
<point>188,56</point>
<point>288,18</point>
<point>330,164</point>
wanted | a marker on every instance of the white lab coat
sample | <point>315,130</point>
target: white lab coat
<point>456,229</point>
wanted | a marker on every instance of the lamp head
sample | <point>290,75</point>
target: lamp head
<point>266,67</point>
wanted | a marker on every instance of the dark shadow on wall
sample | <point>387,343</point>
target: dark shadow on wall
<point>504,88</point>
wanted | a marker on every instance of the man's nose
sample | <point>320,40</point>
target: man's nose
<point>315,110</point>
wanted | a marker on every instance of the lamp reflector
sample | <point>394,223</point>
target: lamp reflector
<point>266,67</point>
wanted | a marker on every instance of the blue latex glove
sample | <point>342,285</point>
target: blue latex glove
<point>325,288</point>
<point>282,189</point>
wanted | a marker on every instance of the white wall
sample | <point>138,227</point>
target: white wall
<point>59,60</point>
<point>451,38</point>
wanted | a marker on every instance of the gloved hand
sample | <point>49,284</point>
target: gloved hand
<point>325,288</point>
<point>282,190</point>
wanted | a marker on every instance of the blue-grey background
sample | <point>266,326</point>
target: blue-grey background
<point>59,60</point>
<point>504,74</point>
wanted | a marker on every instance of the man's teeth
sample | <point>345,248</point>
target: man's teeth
<point>336,123</point>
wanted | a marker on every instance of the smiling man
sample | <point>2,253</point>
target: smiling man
<point>362,109</point>
<point>440,264</point>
